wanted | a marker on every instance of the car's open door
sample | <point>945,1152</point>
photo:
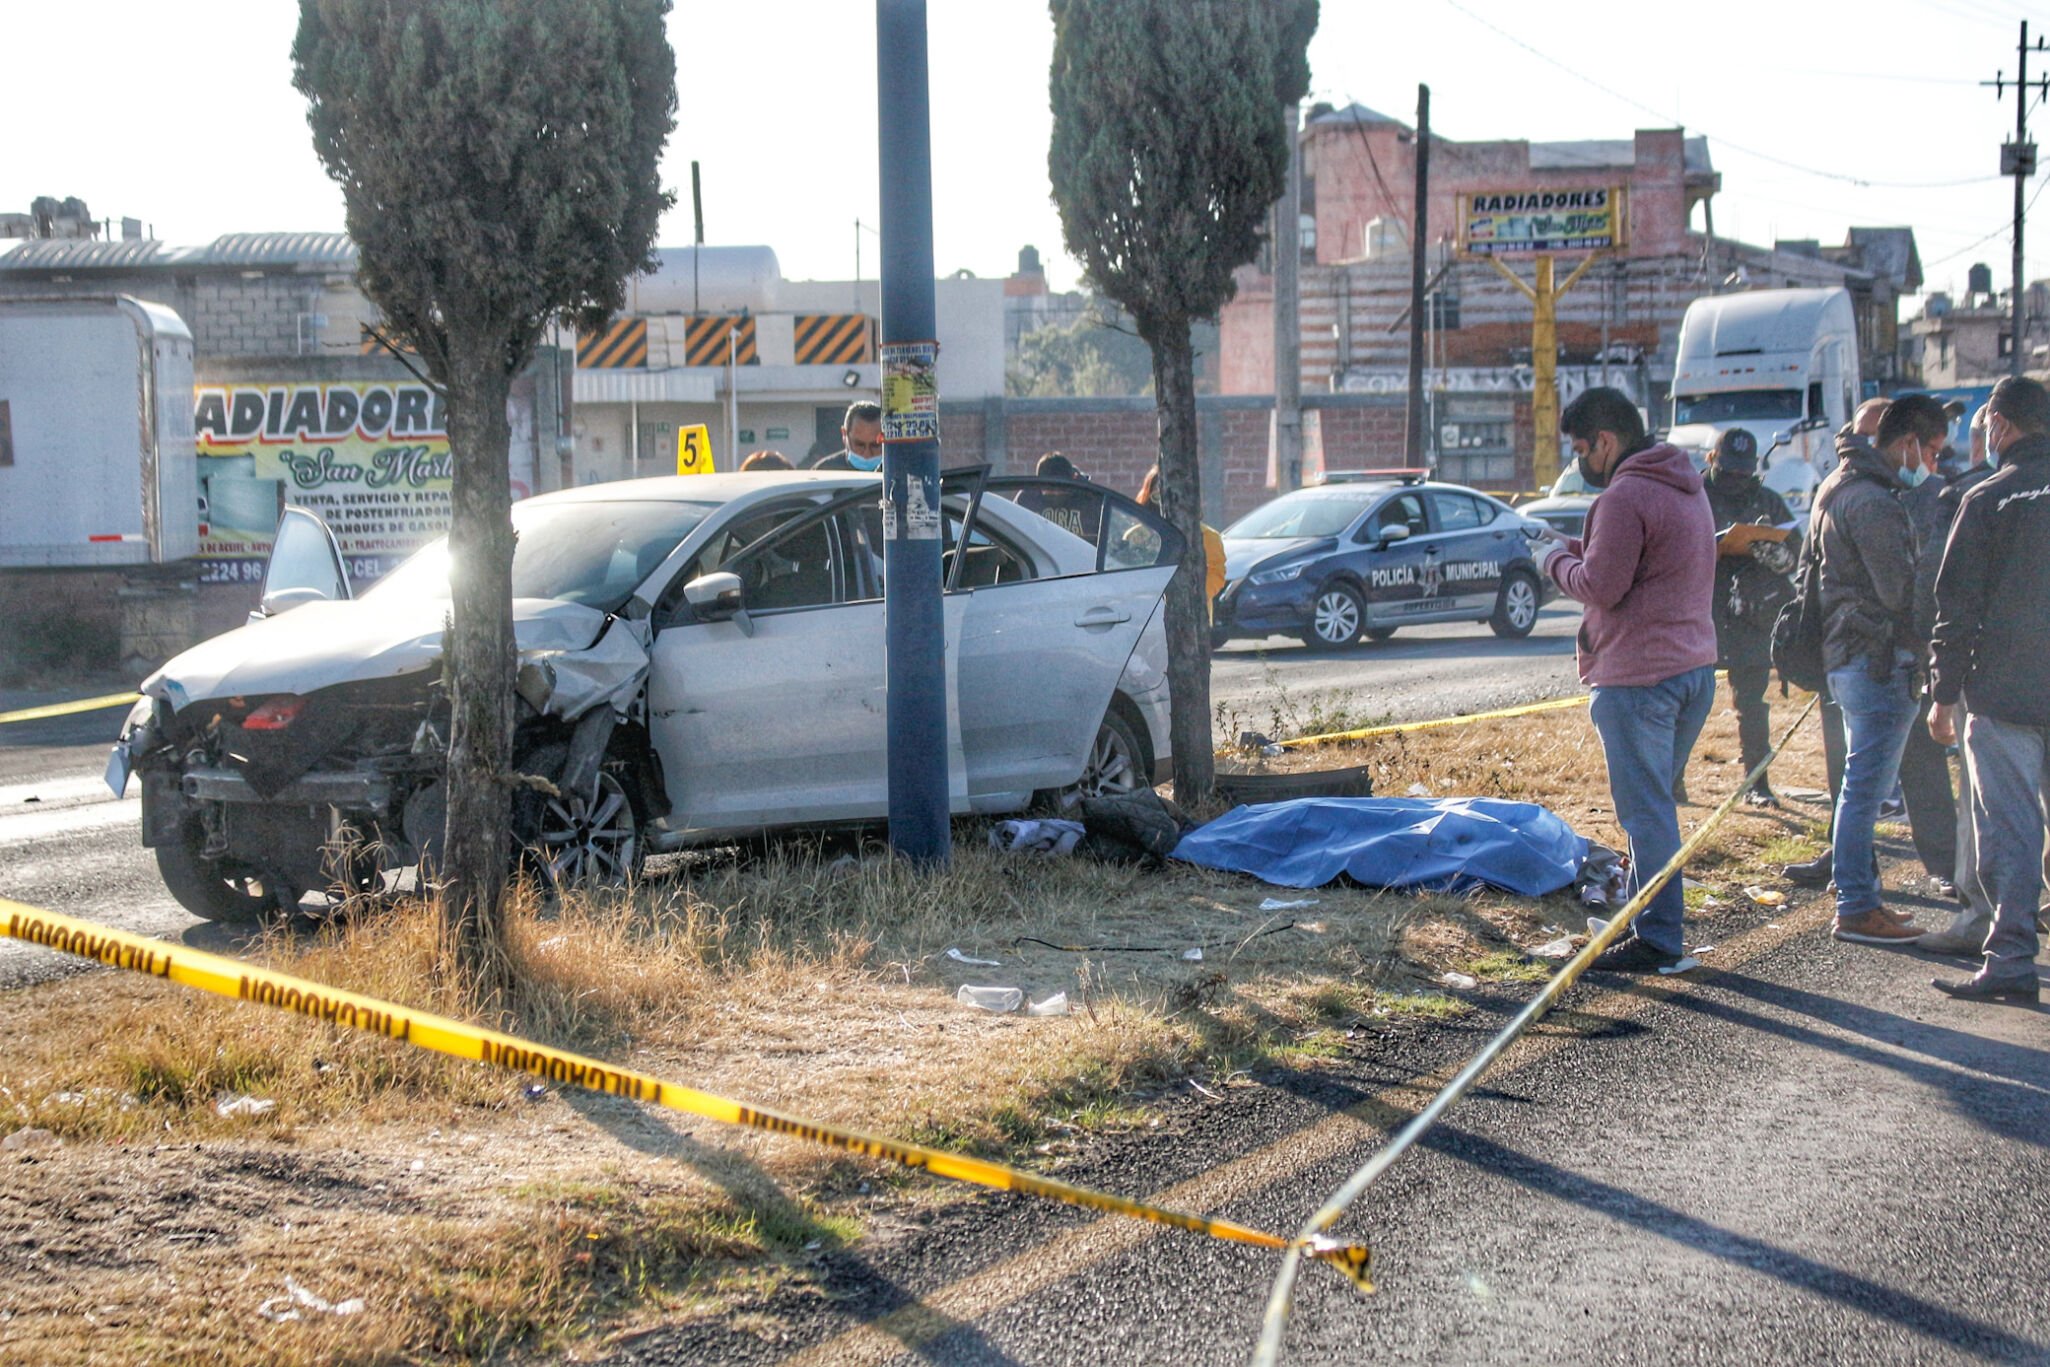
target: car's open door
<point>1040,659</point>
<point>305,565</point>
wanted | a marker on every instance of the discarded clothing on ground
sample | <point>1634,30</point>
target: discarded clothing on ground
<point>1139,827</point>
<point>1437,844</point>
<point>1037,837</point>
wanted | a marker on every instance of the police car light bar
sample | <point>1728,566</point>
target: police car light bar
<point>1402,474</point>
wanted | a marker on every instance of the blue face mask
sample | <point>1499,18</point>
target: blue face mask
<point>1913,475</point>
<point>864,462</point>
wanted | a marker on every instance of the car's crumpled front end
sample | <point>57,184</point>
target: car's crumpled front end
<point>308,751</point>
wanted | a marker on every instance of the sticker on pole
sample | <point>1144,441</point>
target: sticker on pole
<point>693,450</point>
<point>911,391</point>
<point>921,520</point>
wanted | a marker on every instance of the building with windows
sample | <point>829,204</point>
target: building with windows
<point>1618,325</point>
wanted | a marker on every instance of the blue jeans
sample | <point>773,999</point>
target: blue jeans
<point>2010,767</point>
<point>1647,731</point>
<point>1877,715</point>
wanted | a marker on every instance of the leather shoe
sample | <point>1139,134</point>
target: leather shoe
<point>1982,988</point>
<point>1815,873</point>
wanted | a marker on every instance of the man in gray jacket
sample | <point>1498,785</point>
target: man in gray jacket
<point>1869,644</point>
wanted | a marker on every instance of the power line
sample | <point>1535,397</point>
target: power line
<point>1586,80</point>
<point>1927,266</point>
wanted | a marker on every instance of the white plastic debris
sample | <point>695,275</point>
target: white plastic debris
<point>1272,750</point>
<point>1597,924</point>
<point>24,1140</point>
<point>284,1309</point>
<point>1459,980</point>
<point>1561,948</point>
<point>958,957</point>
<point>230,1106</point>
<point>1002,1000</point>
<point>1193,954</point>
<point>1056,1005</point>
<point>1277,904</point>
<point>1416,790</point>
<point>1766,897</point>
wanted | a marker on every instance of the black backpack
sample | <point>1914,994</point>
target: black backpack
<point>1798,630</point>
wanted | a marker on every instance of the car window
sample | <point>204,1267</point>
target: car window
<point>1458,513</point>
<point>595,553</point>
<point>1323,511</point>
<point>1403,510</point>
<point>1077,510</point>
<point>799,572</point>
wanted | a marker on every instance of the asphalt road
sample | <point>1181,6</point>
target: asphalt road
<point>1798,1154</point>
<point>1423,671</point>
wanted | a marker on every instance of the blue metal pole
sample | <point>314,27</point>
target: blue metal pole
<point>914,609</point>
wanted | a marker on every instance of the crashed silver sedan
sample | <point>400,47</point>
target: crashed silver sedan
<point>700,660</point>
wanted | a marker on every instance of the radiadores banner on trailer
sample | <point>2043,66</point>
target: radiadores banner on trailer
<point>371,458</point>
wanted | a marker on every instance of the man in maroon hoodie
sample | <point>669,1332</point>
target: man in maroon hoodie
<point>1645,572</point>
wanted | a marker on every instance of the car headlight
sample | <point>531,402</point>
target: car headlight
<point>1281,575</point>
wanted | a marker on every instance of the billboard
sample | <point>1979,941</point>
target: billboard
<point>1536,222</point>
<point>370,457</point>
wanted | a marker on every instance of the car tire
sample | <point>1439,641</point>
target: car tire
<point>1337,615</point>
<point>571,841</point>
<point>225,890</point>
<point>1116,764</point>
<point>1516,606</point>
<point>1379,633</point>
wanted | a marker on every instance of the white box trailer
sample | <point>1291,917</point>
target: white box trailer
<point>97,467</point>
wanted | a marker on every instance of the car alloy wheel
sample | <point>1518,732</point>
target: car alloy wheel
<point>1337,614</point>
<point>589,840</point>
<point>1115,761</point>
<point>1516,610</point>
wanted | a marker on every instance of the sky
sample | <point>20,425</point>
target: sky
<point>181,113</point>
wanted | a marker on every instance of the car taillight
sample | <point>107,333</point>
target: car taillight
<point>275,715</point>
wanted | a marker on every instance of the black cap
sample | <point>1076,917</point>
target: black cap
<point>1736,450</point>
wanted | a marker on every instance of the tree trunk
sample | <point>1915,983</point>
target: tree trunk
<point>480,665</point>
<point>1188,615</point>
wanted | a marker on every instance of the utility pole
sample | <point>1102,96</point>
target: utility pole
<point>697,214</point>
<point>1420,234</point>
<point>2018,159</point>
<point>914,621</point>
<point>1288,333</point>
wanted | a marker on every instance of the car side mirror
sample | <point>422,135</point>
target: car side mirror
<point>284,600</point>
<point>1388,536</point>
<point>719,598</point>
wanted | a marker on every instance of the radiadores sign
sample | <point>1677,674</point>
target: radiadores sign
<point>371,458</point>
<point>1534,222</point>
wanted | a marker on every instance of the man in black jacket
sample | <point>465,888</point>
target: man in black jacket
<point>1869,646</point>
<point>1992,641</point>
<point>1751,585</point>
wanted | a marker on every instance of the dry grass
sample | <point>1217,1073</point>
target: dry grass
<point>475,1219</point>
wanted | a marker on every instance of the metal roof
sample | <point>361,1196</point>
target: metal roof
<point>321,251</point>
<point>1608,152</point>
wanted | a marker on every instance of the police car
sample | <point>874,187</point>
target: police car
<point>1366,555</point>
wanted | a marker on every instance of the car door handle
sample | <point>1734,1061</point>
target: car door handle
<point>1103,617</point>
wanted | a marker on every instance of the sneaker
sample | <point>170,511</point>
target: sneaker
<point>1761,796</point>
<point>1893,809</point>
<point>1632,955</point>
<point>1815,873</point>
<point>1875,927</point>
<point>1941,887</point>
<point>1952,942</point>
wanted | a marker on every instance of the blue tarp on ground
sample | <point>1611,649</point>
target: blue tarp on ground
<point>1441,844</point>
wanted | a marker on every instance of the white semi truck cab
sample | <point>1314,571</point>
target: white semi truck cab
<point>1780,361</point>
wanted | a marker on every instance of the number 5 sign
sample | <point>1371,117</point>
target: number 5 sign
<point>693,450</point>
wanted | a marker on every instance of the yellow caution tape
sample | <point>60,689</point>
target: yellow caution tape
<point>1369,732</point>
<point>239,981</point>
<point>65,709</point>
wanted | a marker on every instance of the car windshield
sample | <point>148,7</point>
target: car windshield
<point>1765,405</point>
<point>1569,481</point>
<point>596,554</point>
<point>1306,512</point>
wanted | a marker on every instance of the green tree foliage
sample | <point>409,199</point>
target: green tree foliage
<point>498,159</point>
<point>1169,145</point>
<point>1079,358</point>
